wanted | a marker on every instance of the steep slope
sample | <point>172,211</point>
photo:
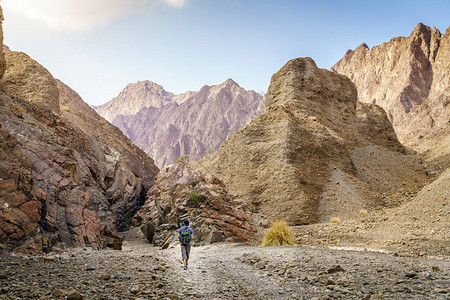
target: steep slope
<point>127,170</point>
<point>418,227</point>
<point>409,78</point>
<point>65,180</point>
<point>314,153</point>
<point>196,127</point>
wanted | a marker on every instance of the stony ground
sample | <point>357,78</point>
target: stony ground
<point>223,271</point>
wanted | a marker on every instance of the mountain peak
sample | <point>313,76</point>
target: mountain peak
<point>229,82</point>
<point>421,29</point>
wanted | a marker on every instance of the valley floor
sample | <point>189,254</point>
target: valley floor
<point>223,271</point>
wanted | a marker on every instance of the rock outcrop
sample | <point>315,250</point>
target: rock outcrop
<point>196,127</point>
<point>26,79</point>
<point>315,153</point>
<point>181,193</point>
<point>126,170</point>
<point>409,78</point>
<point>67,178</point>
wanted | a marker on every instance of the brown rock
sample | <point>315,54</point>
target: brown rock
<point>31,210</point>
<point>182,193</point>
<point>287,162</point>
<point>67,180</point>
<point>24,78</point>
<point>408,77</point>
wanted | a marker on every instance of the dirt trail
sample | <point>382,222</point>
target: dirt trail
<point>236,271</point>
<point>222,271</point>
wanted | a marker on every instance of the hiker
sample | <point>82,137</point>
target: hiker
<point>185,235</point>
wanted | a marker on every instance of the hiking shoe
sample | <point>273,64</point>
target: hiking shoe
<point>185,267</point>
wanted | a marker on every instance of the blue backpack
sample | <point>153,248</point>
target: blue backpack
<point>185,236</point>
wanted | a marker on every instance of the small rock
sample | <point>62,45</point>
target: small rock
<point>411,275</point>
<point>134,290</point>
<point>335,269</point>
<point>58,293</point>
<point>104,277</point>
<point>73,295</point>
<point>49,258</point>
<point>440,291</point>
<point>330,281</point>
<point>3,276</point>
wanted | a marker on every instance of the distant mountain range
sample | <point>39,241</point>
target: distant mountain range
<point>167,126</point>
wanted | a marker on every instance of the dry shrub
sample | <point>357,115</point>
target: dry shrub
<point>363,212</point>
<point>279,234</point>
<point>335,220</point>
<point>65,108</point>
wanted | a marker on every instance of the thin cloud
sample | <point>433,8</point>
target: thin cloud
<point>77,15</point>
<point>175,3</point>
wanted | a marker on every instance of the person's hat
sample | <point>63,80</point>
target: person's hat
<point>186,222</point>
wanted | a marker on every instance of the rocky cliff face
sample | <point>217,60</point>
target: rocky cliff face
<point>67,178</point>
<point>196,127</point>
<point>181,193</point>
<point>315,153</point>
<point>26,79</point>
<point>409,78</point>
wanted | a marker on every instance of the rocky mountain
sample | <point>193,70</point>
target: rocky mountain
<point>408,77</point>
<point>197,126</point>
<point>136,96</point>
<point>67,177</point>
<point>181,193</point>
<point>316,152</point>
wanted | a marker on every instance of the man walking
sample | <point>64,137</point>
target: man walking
<point>185,235</point>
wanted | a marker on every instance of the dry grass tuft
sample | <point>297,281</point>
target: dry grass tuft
<point>363,212</point>
<point>335,220</point>
<point>279,234</point>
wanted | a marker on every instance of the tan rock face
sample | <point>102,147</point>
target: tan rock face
<point>409,78</point>
<point>299,160</point>
<point>196,127</point>
<point>26,79</point>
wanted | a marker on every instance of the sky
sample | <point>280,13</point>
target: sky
<point>97,47</point>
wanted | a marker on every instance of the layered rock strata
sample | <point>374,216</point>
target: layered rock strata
<point>316,152</point>
<point>196,127</point>
<point>68,179</point>
<point>408,77</point>
<point>181,193</point>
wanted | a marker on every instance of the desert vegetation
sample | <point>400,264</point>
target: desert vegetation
<point>279,234</point>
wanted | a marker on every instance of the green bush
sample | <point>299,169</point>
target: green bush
<point>195,199</point>
<point>183,159</point>
<point>279,234</point>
